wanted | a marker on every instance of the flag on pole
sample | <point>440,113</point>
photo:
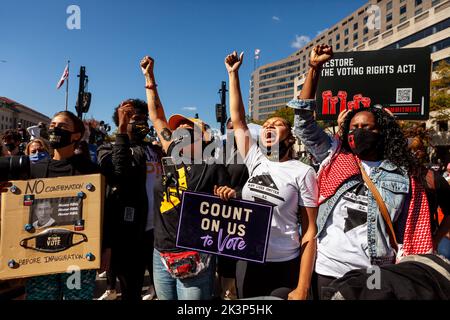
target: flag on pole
<point>257,52</point>
<point>64,76</point>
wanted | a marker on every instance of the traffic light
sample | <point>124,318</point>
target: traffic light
<point>86,103</point>
<point>221,113</point>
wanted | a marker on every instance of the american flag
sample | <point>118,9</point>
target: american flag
<point>64,76</point>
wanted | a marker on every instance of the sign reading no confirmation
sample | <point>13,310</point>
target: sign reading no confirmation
<point>50,225</point>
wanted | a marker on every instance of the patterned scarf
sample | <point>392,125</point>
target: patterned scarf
<point>417,234</point>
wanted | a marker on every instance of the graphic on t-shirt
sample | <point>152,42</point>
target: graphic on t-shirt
<point>174,198</point>
<point>356,208</point>
<point>355,219</point>
<point>266,189</point>
<point>153,162</point>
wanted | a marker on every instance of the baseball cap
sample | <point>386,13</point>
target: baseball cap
<point>177,119</point>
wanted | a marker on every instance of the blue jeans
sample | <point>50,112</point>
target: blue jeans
<point>199,287</point>
<point>444,247</point>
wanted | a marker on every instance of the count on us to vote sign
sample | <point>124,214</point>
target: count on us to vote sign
<point>237,228</point>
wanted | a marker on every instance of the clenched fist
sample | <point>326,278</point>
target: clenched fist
<point>147,64</point>
<point>233,62</point>
<point>320,54</point>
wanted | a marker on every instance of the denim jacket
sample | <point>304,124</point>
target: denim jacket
<point>392,183</point>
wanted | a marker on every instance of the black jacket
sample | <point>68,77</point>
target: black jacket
<point>126,206</point>
<point>416,277</point>
<point>49,168</point>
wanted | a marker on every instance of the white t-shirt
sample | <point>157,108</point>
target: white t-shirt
<point>343,246</point>
<point>285,185</point>
<point>153,172</point>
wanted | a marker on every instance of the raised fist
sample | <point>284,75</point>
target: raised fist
<point>147,64</point>
<point>233,62</point>
<point>320,54</point>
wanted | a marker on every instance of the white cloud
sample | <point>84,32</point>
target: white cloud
<point>320,31</point>
<point>300,41</point>
<point>190,108</point>
<point>275,18</point>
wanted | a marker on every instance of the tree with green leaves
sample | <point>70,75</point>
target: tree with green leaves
<point>440,95</point>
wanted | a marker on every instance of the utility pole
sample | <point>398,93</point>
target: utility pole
<point>223,105</point>
<point>80,101</point>
<point>67,83</point>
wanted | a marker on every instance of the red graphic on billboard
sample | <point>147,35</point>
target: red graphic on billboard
<point>332,105</point>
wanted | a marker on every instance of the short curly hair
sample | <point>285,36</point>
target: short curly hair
<point>11,134</point>
<point>138,104</point>
<point>393,142</point>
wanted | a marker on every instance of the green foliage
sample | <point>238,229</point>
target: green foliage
<point>439,101</point>
<point>443,76</point>
<point>439,96</point>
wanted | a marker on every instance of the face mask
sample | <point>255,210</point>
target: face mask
<point>53,240</point>
<point>139,130</point>
<point>10,146</point>
<point>38,156</point>
<point>363,142</point>
<point>59,138</point>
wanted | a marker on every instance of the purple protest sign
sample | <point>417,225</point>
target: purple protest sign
<point>238,229</point>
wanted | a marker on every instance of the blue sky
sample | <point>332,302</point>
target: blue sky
<point>188,40</point>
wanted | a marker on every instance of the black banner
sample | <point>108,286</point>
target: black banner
<point>399,80</point>
<point>237,228</point>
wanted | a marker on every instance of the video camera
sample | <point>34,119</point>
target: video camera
<point>14,168</point>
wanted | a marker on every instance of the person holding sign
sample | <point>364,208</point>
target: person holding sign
<point>65,132</point>
<point>179,274</point>
<point>369,201</point>
<point>287,184</point>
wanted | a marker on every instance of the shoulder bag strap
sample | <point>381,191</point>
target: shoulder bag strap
<point>383,209</point>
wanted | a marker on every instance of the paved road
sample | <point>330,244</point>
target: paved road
<point>100,287</point>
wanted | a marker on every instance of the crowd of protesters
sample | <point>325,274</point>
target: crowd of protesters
<point>369,201</point>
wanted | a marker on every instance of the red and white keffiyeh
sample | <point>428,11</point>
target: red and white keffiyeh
<point>417,235</point>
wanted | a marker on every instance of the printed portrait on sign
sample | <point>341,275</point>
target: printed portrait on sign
<point>51,212</point>
<point>41,213</point>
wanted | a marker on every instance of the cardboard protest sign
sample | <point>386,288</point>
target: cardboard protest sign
<point>396,79</point>
<point>50,226</point>
<point>237,228</point>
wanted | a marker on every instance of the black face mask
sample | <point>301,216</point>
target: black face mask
<point>53,240</point>
<point>139,129</point>
<point>59,138</point>
<point>363,142</point>
<point>10,146</point>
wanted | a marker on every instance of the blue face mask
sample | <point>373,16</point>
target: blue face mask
<point>38,156</point>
